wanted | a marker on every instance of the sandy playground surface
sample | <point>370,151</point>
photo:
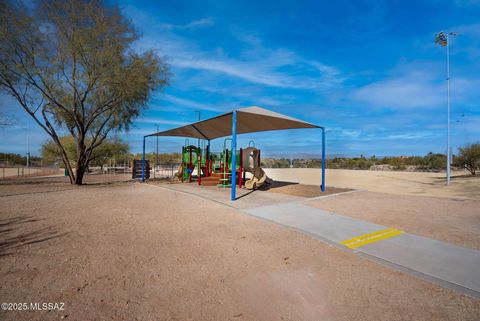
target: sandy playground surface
<point>129,251</point>
<point>404,183</point>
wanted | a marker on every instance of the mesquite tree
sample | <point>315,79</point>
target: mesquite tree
<point>110,148</point>
<point>71,66</point>
<point>469,157</point>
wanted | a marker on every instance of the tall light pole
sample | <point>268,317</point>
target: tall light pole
<point>442,39</point>
<point>156,157</point>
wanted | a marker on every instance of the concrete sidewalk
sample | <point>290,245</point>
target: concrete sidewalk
<point>245,198</point>
<point>439,262</point>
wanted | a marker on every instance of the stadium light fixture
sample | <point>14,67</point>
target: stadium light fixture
<point>442,38</point>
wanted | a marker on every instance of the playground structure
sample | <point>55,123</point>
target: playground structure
<point>215,168</point>
<point>239,121</point>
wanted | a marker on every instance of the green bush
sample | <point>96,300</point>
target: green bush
<point>469,157</point>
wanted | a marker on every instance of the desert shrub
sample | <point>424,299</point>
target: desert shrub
<point>469,157</point>
<point>275,163</point>
<point>435,161</point>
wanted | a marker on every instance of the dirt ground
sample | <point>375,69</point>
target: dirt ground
<point>50,184</point>
<point>404,183</point>
<point>452,220</point>
<point>129,251</point>
<point>303,190</point>
<point>15,173</point>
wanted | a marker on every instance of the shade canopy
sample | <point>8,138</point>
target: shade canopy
<point>249,120</point>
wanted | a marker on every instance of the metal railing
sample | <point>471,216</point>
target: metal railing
<point>165,170</point>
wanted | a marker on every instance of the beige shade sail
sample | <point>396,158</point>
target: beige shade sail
<point>249,120</point>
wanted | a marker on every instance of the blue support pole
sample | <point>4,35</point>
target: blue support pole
<point>143,160</point>
<point>323,159</point>
<point>234,154</point>
<point>207,158</point>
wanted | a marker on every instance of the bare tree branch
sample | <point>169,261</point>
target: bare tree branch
<point>73,61</point>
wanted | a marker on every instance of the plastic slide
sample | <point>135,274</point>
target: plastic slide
<point>259,178</point>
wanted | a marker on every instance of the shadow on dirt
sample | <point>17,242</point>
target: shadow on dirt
<point>277,184</point>
<point>21,231</point>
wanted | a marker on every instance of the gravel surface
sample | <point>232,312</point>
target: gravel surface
<point>129,251</point>
<point>392,182</point>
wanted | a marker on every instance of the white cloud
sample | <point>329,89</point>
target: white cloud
<point>338,132</point>
<point>401,93</point>
<point>149,120</point>
<point>376,135</point>
<point>417,86</point>
<point>254,63</point>
<point>263,70</point>
<point>414,135</point>
<point>186,103</point>
<point>244,70</point>
<point>205,22</point>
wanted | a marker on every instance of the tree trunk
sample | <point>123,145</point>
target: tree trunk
<point>82,165</point>
<point>82,159</point>
<point>80,171</point>
<point>471,168</point>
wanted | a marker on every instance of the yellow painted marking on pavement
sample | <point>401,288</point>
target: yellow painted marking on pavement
<point>371,238</point>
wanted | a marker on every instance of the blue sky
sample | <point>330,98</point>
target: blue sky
<point>369,71</point>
